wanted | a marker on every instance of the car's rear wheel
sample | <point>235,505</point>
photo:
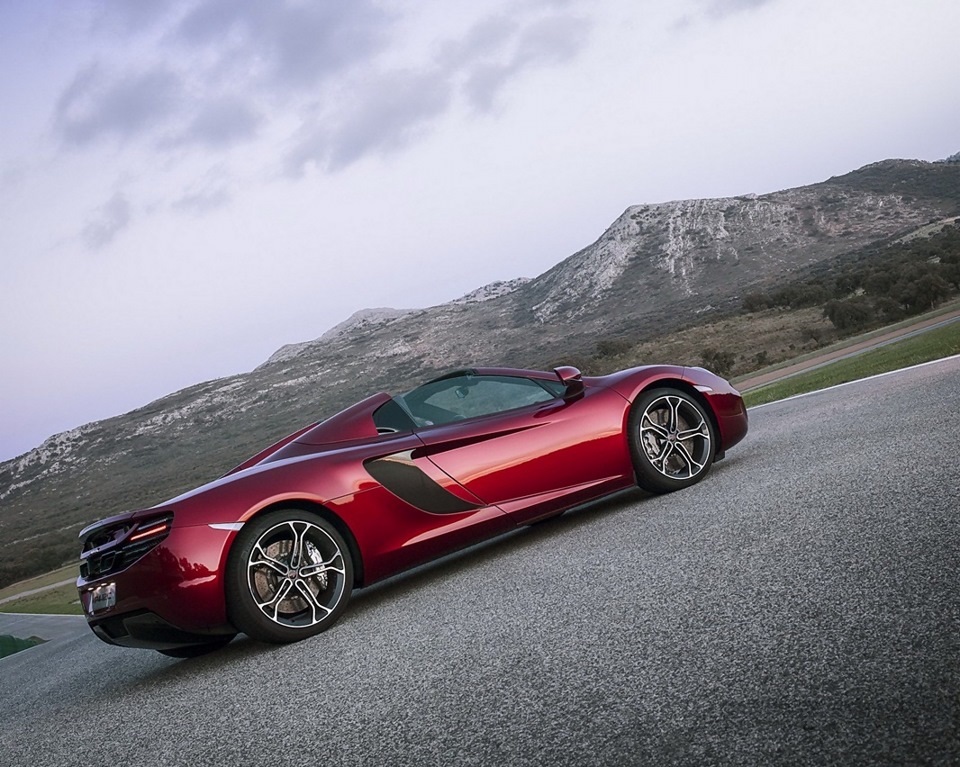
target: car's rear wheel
<point>289,576</point>
<point>671,440</point>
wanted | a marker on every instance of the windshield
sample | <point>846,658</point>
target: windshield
<point>466,395</point>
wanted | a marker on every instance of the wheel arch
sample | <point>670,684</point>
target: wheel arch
<point>687,388</point>
<point>312,507</point>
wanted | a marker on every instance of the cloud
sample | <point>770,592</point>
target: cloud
<point>726,7</point>
<point>718,9</point>
<point>298,44</point>
<point>96,104</point>
<point>552,40</point>
<point>222,122</point>
<point>151,103</point>
<point>485,40</point>
<point>207,191</point>
<point>110,219</point>
<point>202,200</point>
<point>232,53</point>
<point>546,41</point>
<point>381,119</point>
<point>390,109</point>
<point>234,68</point>
<point>129,18</point>
<point>13,174</point>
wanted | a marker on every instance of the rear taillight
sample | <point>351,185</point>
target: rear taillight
<point>152,530</point>
<point>110,548</point>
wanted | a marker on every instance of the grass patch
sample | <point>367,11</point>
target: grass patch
<point>9,645</point>
<point>934,344</point>
<point>61,600</point>
<point>753,337</point>
<point>38,582</point>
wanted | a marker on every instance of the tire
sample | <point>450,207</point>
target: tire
<point>672,440</point>
<point>289,577</point>
<point>196,650</point>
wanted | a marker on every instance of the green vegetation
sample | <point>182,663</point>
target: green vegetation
<point>719,361</point>
<point>56,597</point>
<point>60,600</point>
<point>881,284</point>
<point>934,344</point>
<point>69,572</point>
<point>848,341</point>
<point>56,548</point>
<point>9,645</point>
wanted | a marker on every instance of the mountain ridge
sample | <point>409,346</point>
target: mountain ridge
<point>657,267</point>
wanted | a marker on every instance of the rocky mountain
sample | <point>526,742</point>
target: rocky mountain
<point>658,267</point>
<point>361,320</point>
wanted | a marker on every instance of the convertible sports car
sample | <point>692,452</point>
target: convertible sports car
<point>276,546</point>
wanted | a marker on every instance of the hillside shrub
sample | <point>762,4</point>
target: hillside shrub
<point>880,284</point>
<point>720,362</point>
<point>849,314</point>
<point>613,347</point>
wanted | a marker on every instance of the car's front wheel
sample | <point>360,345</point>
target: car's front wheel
<point>289,576</point>
<point>671,440</point>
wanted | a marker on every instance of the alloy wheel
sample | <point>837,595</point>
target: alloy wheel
<point>296,574</point>
<point>675,437</point>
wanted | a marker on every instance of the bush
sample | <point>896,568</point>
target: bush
<point>920,294</point>
<point>613,347</point>
<point>812,333</point>
<point>888,309</point>
<point>755,302</point>
<point>878,283</point>
<point>811,294</point>
<point>849,313</point>
<point>719,362</point>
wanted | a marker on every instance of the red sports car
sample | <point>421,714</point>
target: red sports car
<point>275,547</point>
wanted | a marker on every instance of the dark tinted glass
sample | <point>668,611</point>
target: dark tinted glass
<point>390,417</point>
<point>469,396</point>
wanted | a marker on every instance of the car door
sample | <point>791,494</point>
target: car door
<point>515,443</point>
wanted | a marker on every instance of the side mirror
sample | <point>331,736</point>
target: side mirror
<point>572,380</point>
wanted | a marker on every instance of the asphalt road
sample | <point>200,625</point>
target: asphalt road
<point>48,627</point>
<point>800,606</point>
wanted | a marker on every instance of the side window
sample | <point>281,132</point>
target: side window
<point>390,418</point>
<point>469,396</point>
<point>554,387</point>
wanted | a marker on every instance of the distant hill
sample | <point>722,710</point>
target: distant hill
<point>657,268</point>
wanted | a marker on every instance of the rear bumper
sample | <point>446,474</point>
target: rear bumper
<point>148,630</point>
<point>171,597</point>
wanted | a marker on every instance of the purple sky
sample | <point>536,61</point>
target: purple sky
<point>186,186</point>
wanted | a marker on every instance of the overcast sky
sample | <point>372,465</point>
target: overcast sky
<point>185,186</point>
